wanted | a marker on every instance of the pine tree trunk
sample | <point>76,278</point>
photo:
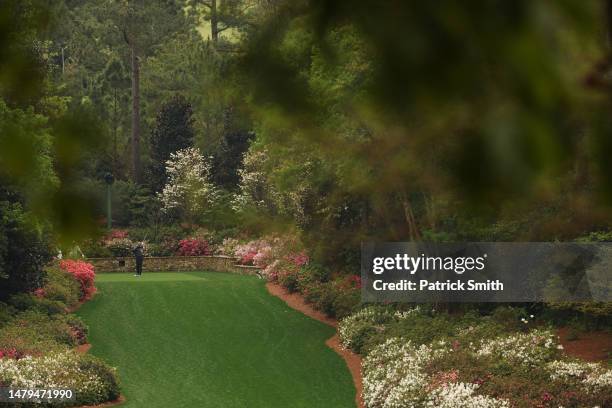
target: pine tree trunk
<point>135,117</point>
<point>214,23</point>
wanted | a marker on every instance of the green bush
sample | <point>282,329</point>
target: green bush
<point>120,247</point>
<point>509,317</point>
<point>316,271</point>
<point>33,332</point>
<point>24,251</point>
<point>62,287</point>
<point>346,302</point>
<point>109,390</point>
<point>26,301</point>
<point>92,380</point>
<point>95,249</point>
<point>6,313</point>
<point>289,280</point>
<point>78,328</point>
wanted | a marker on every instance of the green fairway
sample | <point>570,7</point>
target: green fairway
<point>205,339</point>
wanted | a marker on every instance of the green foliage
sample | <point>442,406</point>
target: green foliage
<point>62,287</point>
<point>24,251</point>
<point>33,332</point>
<point>26,301</point>
<point>173,131</point>
<point>120,247</point>
<point>106,376</point>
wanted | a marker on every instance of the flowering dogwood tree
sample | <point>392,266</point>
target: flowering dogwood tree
<point>188,191</point>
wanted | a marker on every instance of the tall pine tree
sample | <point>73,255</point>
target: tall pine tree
<point>173,131</point>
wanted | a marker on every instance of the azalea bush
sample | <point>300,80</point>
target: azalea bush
<point>60,285</point>
<point>417,356</point>
<point>117,234</point>
<point>247,252</point>
<point>34,333</point>
<point>84,273</point>
<point>228,246</point>
<point>92,381</point>
<point>120,247</point>
<point>193,247</point>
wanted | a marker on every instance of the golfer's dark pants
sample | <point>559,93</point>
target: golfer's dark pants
<point>139,266</point>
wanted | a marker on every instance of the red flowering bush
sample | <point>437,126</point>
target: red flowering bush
<point>117,234</point>
<point>193,247</point>
<point>299,259</point>
<point>11,353</point>
<point>84,273</point>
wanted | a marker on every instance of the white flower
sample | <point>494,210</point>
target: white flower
<point>530,349</point>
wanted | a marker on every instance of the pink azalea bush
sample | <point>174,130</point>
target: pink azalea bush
<point>84,273</point>
<point>117,234</point>
<point>283,260</point>
<point>246,253</point>
<point>193,247</point>
<point>11,353</point>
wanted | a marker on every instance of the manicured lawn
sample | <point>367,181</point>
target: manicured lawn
<point>206,339</point>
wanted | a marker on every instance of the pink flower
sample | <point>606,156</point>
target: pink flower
<point>40,292</point>
<point>84,273</point>
<point>193,247</point>
<point>117,234</point>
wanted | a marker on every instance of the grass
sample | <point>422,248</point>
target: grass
<point>205,339</point>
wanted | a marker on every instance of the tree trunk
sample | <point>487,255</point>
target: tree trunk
<point>135,117</point>
<point>413,230</point>
<point>214,23</point>
<point>115,172</point>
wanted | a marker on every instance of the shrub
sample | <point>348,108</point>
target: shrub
<point>116,234</point>
<point>84,273</point>
<point>193,247</point>
<point>79,329</point>
<point>26,301</point>
<point>91,379</point>
<point>24,251</point>
<point>288,278</point>
<point>34,333</point>
<point>120,247</point>
<point>315,270</point>
<point>95,249</point>
<point>6,313</point>
<point>61,286</point>
<point>346,302</point>
<point>106,377</point>
<point>229,246</point>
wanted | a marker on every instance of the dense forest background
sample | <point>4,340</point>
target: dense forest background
<point>341,121</point>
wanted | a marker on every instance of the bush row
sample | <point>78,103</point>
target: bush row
<point>417,356</point>
<point>284,261</point>
<point>38,335</point>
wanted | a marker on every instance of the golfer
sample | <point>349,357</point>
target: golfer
<point>139,255</point>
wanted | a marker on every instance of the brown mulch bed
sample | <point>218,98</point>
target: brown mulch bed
<point>589,346</point>
<point>353,361</point>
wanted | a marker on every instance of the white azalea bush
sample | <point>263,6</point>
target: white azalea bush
<point>462,395</point>
<point>422,358</point>
<point>530,349</point>
<point>91,380</point>
<point>590,376</point>
<point>355,327</point>
<point>394,374</point>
